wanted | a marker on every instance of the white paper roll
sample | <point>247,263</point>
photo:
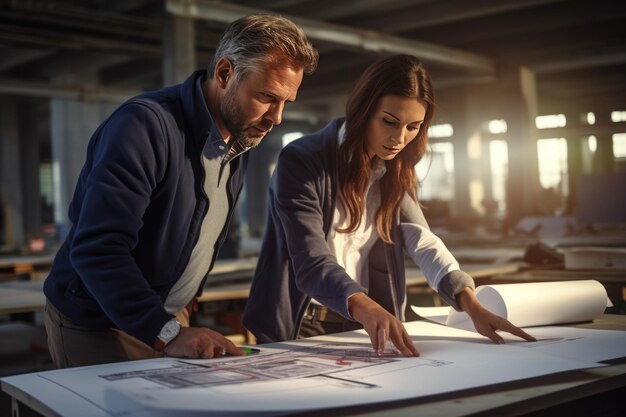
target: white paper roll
<point>539,303</point>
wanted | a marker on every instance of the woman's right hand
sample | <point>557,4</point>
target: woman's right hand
<point>380,325</point>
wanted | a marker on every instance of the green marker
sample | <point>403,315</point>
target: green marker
<point>249,350</point>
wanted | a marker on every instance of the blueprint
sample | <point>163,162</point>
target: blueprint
<point>311,374</point>
<point>322,359</point>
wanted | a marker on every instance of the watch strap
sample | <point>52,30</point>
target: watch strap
<point>159,345</point>
<point>163,339</point>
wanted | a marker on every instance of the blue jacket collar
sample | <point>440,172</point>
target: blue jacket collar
<point>197,116</point>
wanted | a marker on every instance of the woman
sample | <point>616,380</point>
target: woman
<point>342,208</point>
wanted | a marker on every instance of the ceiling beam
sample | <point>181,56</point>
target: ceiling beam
<point>445,12</point>
<point>339,9</point>
<point>555,17</point>
<point>34,37</point>
<point>342,35</point>
<point>77,92</point>
<point>579,63</point>
<point>274,4</point>
<point>96,93</point>
<point>13,57</point>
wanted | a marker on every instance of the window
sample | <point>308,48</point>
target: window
<point>619,145</point>
<point>592,143</point>
<point>550,121</point>
<point>552,156</point>
<point>618,116</point>
<point>440,131</point>
<point>436,172</point>
<point>497,126</point>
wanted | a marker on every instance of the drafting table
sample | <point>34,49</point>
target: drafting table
<point>31,265</point>
<point>487,254</point>
<point>27,260</point>
<point>418,286</point>
<point>415,276</point>
<point>614,239</point>
<point>226,270</point>
<point>28,297</point>
<point>20,296</point>
<point>515,398</point>
<point>229,280</point>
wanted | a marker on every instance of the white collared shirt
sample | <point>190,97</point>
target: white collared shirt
<point>352,249</point>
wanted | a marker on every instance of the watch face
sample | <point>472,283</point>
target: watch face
<point>169,331</point>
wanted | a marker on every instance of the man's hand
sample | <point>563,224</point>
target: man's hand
<point>201,343</point>
<point>380,325</point>
<point>485,322</point>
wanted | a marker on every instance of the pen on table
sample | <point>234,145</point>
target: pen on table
<point>249,350</point>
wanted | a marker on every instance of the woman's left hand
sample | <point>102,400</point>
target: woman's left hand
<point>380,325</point>
<point>485,322</point>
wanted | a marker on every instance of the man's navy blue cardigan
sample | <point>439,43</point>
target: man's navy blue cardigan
<point>136,212</point>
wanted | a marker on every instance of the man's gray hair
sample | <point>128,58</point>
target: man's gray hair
<point>253,41</point>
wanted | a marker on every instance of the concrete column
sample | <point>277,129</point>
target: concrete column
<point>519,103</point>
<point>574,160</point>
<point>603,158</point>
<point>461,205</point>
<point>472,181</point>
<point>72,124</point>
<point>260,169</point>
<point>31,136</point>
<point>179,48</point>
<point>11,202</point>
<point>337,106</point>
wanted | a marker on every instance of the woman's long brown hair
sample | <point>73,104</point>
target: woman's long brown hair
<point>401,75</point>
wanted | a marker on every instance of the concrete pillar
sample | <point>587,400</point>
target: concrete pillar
<point>72,124</point>
<point>337,106</point>
<point>11,201</point>
<point>461,205</point>
<point>603,158</point>
<point>31,136</point>
<point>179,49</point>
<point>472,180</point>
<point>519,103</point>
<point>253,205</point>
<point>260,169</point>
<point>574,160</point>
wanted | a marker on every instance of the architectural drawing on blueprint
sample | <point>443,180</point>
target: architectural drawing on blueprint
<point>311,361</point>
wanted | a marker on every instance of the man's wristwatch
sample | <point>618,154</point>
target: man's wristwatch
<point>168,333</point>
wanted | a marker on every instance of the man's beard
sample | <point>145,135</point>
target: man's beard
<point>235,123</point>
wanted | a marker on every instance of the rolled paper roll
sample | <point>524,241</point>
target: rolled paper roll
<point>539,303</point>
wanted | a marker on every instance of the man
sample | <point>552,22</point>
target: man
<point>155,197</point>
